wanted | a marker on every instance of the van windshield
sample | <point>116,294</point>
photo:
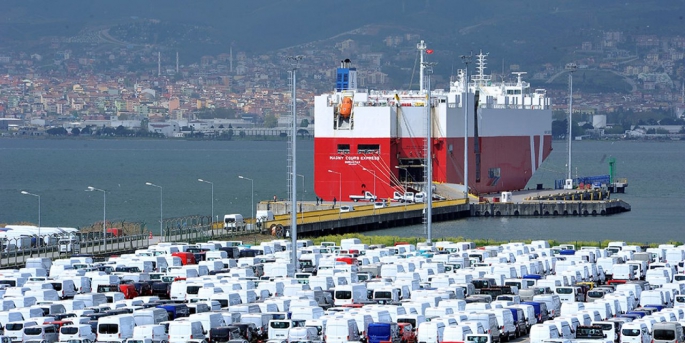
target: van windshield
<point>630,332</point>
<point>564,290</point>
<point>343,294</point>
<point>280,325</point>
<point>57,286</point>
<point>33,331</point>
<point>663,335</point>
<point>595,294</point>
<point>14,326</point>
<point>477,339</point>
<point>108,329</point>
<point>382,295</point>
<point>193,289</point>
<point>68,330</point>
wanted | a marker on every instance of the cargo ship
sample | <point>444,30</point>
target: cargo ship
<point>375,140</point>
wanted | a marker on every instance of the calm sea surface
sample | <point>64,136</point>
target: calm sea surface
<point>61,170</point>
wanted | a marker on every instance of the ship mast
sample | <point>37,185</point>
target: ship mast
<point>421,46</point>
<point>429,156</point>
<point>467,60</point>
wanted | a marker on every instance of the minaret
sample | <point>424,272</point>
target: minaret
<point>159,63</point>
<point>176,62</point>
<point>230,59</point>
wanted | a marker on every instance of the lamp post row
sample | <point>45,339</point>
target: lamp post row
<point>161,203</point>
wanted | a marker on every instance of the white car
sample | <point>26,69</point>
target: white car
<point>346,208</point>
<point>379,204</point>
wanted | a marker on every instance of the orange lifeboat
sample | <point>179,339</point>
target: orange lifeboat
<point>346,107</point>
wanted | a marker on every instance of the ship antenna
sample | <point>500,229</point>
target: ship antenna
<point>480,66</point>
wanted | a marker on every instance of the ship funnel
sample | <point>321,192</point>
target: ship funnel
<point>346,76</point>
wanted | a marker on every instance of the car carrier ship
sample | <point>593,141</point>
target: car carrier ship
<point>375,140</point>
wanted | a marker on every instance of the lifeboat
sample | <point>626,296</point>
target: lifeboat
<point>346,107</point>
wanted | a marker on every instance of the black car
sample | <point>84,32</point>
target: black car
<point>161,289</point>
<point>224,334</point>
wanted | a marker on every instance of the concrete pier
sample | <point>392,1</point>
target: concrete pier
<point>550,208</point>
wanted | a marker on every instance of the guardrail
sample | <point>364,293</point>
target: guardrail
<point>16,251</point>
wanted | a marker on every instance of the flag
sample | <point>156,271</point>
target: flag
<point>429,51</point>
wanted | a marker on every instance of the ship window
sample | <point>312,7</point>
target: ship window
<point>368,149</point>
<point>343,148</point>
<point>513,91</point>
<point>494,172</point>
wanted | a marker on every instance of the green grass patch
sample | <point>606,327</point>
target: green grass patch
<point>392,240</point>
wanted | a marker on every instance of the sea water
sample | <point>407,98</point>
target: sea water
<point>60,170</point>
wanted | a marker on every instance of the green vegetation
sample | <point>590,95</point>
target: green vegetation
<point>391,240</point>
<point>216,113</point>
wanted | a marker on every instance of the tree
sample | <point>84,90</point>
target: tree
<point>270,121</point>
<point>559,128</point>
<point>75,131</point>
<point>86,131</point>
<point>121,131</point>
<point>304,123</point>
<point>144,123</point>
<point>57,131</point>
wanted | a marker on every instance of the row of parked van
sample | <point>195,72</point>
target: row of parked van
<point>347,292</point>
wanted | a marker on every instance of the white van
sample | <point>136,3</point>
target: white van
<point>553,304</point>
<point>505,320</point>
<point>15,330</point>
<point>303,334</point>
<point>182,331</point>
<point>115,328</point>
<point>150,316</point>
<point>46,333</point>
<point>341,330</point>
<point>541,332</point>
<point>78,331</point>
<point>456,333</point>
<point>489,322</point>
<point>155,333</point>
<point>349,294</point>
<point>234,222</point>
<point>431,332</point>
<point>635,333</point>
<point>208,320</point>
<point>279,328</point>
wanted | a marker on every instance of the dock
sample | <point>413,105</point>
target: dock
<point>327,219</point>
<point>316,219</point>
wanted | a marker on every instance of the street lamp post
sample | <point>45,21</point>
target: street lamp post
<point>374,179</point>
<point>211,183</point>
<point>104,212</point>
<point>252,193</point>
<point>339,183</point>
<point>161,204</point>
<point>38,196</point>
